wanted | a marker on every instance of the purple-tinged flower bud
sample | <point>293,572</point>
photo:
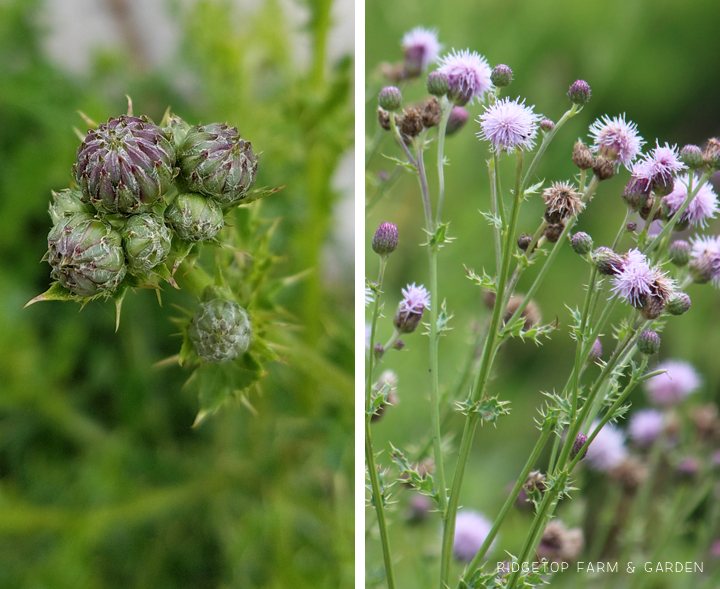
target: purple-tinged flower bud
<point>604,168</point>
<point>385,240</point>
<point>596,351</point>
<point>579,92</point>
<point>663,186</point>
<point>688,468</point>
<point>379,350</point>
<point>581,243</point>
<point>66,203</point>
<point>501,76</point>
<point>390,98</point>
<point>547,125</point>
<point>653,307</point>
<point>578,446</point>
<point>648,342</point>
<point>582,157</point>
<point>711,154</point>
<point>703,269</point>
<point>399,344</point>
<point>691,156</point>
<point>679,252</point>
<point>457,119</point>
<point>607,261</point>
<point>678,304</point>
<point>524,241</point>
<point>631,227</point>
<point>636,193</point>
<point>437,84</point>
<point>419,508</point>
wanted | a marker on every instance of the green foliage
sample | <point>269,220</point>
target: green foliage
<point>104,482</point>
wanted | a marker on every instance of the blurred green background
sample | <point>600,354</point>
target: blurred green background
<point>655,61</point>
<point>103,483</point>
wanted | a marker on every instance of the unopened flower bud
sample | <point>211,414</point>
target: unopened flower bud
<point>385,240</point>
<point>390,98</point>
<point>146,241</point>
<point>581,243</point>
<point>679,252</point>
<point>66,203</point>
<point>457,119</point>
<point>547,125</point>
<point>524,241</point>
<point>648,342</point>
<point>501,76</point>
<point>194,217</point>
<point>582,157</point>
<point>379,350</point>
<point>220,330</point>
<point>678,304</point>
<point>607,261</point>
<point>437,83</point>
<point>663,186</point>
<point>631,227</point>
<point>636,193</point>
<point>702,269</point>
<point>595,351</point>
<point>604,169</point>
<point>691,156</point>
<point>653,307</point>
<point>578,446</point>
<point>579,92</point>
<point>399,344</point>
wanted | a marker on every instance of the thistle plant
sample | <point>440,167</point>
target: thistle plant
<point>634,285</point>
<point>146,199</point>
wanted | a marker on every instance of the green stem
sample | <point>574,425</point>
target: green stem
<point>446,109</point>
<point>487,359</point>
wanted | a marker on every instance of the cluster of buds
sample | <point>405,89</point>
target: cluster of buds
<point>142,189</point>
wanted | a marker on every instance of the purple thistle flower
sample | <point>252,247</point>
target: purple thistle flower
<point>705,259</point>
<point>635,278</point>
<point>607,450</point>
<point>616,139</point>
<point>508,124</point>
<point>645,427</point>
<point>471,529</point>
<point>468,75</point>
<point>665,162</point>
<point>671,387</point>
<point>416,299</point>
<point>702,207</point>
<point>421,48</point>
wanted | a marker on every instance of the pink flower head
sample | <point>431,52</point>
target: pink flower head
<point>645,426</point>
<point>468,75</point>
<point>635,278</point>
<point>616,139</point>
<point>702,207</point>
<point>607,450</point>
<point>416,300</point>
<point>705,258</point>
<point>642,174</point>
<point>508,124</point>
<point>471,530</point>
<point>421,47</point>
<point>671,387</point>
<point>665,162</point>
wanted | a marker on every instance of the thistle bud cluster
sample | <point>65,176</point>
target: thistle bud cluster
<point>140,188</point>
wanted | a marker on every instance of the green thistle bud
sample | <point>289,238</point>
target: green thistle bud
<point>691,156</point>
<point>679,252</point>
<point>390,98</point>
<point>679,304</point>
<point>146,241</point>
<point>177,129</point>
<point>194,217</point>
<point>437,84</point>
<point>86,255</point>
<point>501,76</point>
<point>125,166</point>
<point>66,203</point>
<point>217,162</point>
<point>220,330</point>
<point>581,243</point>
<point>648,342</point>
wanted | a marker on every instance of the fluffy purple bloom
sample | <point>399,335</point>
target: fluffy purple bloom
<point>421,48</point>
<point>607,450</point>
<point>671,387</point>
<point>634,279</point>
<point>645,426</point>
<point>665,162</point>
<point>471,529</point>
<point>415,300</point>
<point>508,124</point>
<point>705,258</point>
<point>702,207</point>
<point>616,139</point>
<point>468,75</point>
